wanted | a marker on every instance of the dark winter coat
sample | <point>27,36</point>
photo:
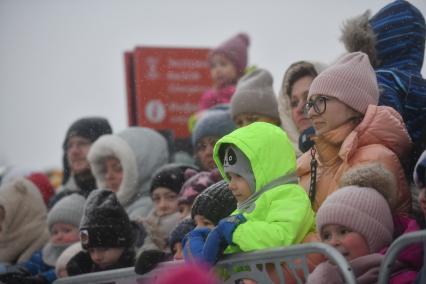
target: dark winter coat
<point>81,263</point>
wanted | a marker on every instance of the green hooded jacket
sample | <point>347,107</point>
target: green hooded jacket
<point>281,215</point>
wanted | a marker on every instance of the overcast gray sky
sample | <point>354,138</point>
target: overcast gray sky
<point>63,59</point>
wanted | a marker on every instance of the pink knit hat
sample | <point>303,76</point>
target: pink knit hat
<point>235,49</point>
<point>361,209</point>
<point>351,80</point>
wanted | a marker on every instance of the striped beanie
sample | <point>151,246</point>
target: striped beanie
<point>400,31</point>
<point>351,80</point>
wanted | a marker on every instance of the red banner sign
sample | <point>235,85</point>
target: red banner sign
<point>164,86</point>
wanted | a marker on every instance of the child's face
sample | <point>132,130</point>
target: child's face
<point>244,119</point>
<point>201,222</point>
<point>223,71</point>
<point>177,251</point>
<point>113,173</point>
<point>334,113</point>
<point>184,210</point>
<point>77,148</point>
<point>165,201</point>
<point>422,200</point>
<point>105,257</point>
<point>298,98</point>
<point>62,233</point>
<point>204,152</point>
<point>239,187</point>
<point>350,244</point>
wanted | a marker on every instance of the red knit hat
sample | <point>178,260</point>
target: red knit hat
<point>42,182</point>
<point>351,80</point>
<point>235,49</point>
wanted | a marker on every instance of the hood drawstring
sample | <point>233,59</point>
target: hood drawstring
<point>313,183</point>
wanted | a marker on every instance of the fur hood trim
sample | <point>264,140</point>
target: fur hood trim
<point>114,146</point>
<point>358,35</point>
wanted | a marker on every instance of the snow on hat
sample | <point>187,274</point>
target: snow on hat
<point>43,184</point>
<point>215,203</point>
<point>235,49</point>
<point>181,229</point>
<point>90,128</point>
<point>255,95</point>
<point>351,80</point>
<point>170,176</point>
<point>400,32</point>
<point>213,123</point>
<point>236,162</point>
<point>68,210</point>
<point>361,209</point>
<point>419,175</point>
<point>196,184</point>
<point>105,223</point>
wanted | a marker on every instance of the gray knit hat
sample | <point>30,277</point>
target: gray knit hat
<point>361,209</point>
<point>214,123</point>
<point>255,95</point>
<point>68,210</point>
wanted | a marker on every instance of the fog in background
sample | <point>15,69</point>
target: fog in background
<point>61,60</point>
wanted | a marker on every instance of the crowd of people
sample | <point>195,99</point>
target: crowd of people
<point>338,156</point>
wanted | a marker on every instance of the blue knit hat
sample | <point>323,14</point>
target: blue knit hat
<point>181,229</point>
<point>214,123</point>
<point>400,29</point>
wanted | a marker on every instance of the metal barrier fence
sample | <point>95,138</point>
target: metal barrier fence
<point>394,250</point>
<point>251,265</point>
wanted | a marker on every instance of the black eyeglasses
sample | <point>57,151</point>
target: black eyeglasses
<point>319,104</point>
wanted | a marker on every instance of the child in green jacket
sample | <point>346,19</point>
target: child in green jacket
<point>259,163</point>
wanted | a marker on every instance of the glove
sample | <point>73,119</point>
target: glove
<point>226,226</point>
<point>148,260</point>
<point>220,237</point>
<point>193,243</point>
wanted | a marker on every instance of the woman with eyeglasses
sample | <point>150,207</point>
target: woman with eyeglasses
<point>350,129</point>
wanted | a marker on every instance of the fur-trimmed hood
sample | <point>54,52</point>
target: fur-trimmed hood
<point>284,102</point>
<point>140,151</point>
<point>393,37</point>
<point>24,229</point>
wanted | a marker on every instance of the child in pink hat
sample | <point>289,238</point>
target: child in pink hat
<point>227,64</point>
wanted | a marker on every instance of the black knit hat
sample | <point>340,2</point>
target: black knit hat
<point>88,127</point>
<point>215,203</point>
<point>181,229</point>
<point>105,223</point>
<point>171,176</point>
